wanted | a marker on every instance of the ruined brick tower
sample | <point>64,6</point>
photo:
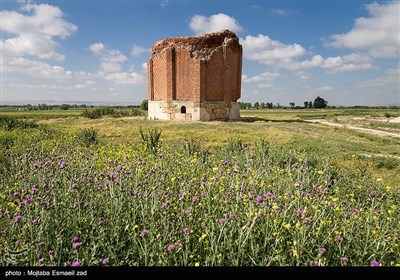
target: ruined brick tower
<point>195,78</point>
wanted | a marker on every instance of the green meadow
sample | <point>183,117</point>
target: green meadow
<point>269,190</point>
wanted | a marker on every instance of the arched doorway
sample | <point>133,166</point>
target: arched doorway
<point>183,110</point>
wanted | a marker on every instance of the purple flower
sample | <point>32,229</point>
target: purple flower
<point>356,211</point>
<point>373,193</point>
<point>100,222</point>
<point>76,245</point>
<point>15,193</point>
<point>105,261</point>
<point>299,212</point>
<point>307,219</point>
<point>344,259</point>
<point>185,230</point>
<point>259,199</point>
<point>322,250</point>
<point>313,263</point>
<point>40,261</point>
<point>17,243</point>
<point>75,239</point>
<point>374,263</point>
<point>102,174</point>
<point>164,206</point>
<point>39,255</point>
<point>34,188</point>
<point>187,212</point>
<point>277,208</point>
<point>35,165</point>
<point>222,221</point>
<point>231,216</point>
<point>17,218</point>
<point>76,263</point>
<point>27,201</point>
<point>268,194</point>
<point>195,198</point>
<point>144,232</point>
<point>339,238</point>
<point>181,196</point>
<point>113,176</point>
<point>170,248</point>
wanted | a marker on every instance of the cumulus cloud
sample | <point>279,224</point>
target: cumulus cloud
<point>111,68</point>
<point>201,24</point>
<point>265,50</point>
<point>36,68</point>
<point>265,76</point>
<point>32,31</point>
<point>274,53</point>
<point>138,50</point>
<point>378,34</point>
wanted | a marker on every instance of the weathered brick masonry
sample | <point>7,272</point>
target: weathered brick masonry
<point>195,78</point>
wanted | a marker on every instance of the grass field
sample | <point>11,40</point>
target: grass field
<point>271,189</point>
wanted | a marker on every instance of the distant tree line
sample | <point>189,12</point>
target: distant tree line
<point>318,102</point>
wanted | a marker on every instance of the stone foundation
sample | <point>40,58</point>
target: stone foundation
<point>193,111</point>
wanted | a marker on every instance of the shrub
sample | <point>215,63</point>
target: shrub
<point>151,138</point>
<point>88,136</point>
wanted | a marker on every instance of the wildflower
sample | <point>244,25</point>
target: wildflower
<point>76,263</point>
<point>185,230</point>
<point>40,261</point>
<point>258,199</point>
<point>170,248</point>
<point>373,193</point>
<point>35,165</point>
<point>187,212</point>
<point>344,259</point>
<point>299,212</point>
<point>181,197</point>
<point>76,245</point>
<point>322,250</point>
<point>15,193</point>
<point>34,188</point>
<point>268,194</point>
<point>17,218</point>
<point>100,222</point>
<point>287,225</point>
<point>222,221</point>
<point>374,263</point>
<point>144,232</point>
<point>105,261</point>
<point>277,208</point>
<point>197,264</point>
<point>112,176</point>
<point>338,238</point>
<point>75,239</point>
<point>164,206</point>
<point>232,216</point>
<point>27,201</point>
<point>379,180</point>
<point>39,255</point>
<point>195,198</point>
<point>313,263</point>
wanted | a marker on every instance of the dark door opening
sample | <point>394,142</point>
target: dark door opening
<point>183,110</point>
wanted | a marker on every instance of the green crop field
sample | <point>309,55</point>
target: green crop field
<point>272,189</point>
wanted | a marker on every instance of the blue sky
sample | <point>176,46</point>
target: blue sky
<point>293,51</point>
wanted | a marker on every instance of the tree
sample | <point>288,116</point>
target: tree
<point>305,104</point>
<point>291,104</point>
<point>319,102</point>
<point>144,105</point>
<point>257,105</point>
<point>310,104</point>
<point>262,105</point>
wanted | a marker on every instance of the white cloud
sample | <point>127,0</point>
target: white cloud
<point>267,51</point>
<point>111,68</point>
<point>378,34</point>
<point>33,31</point>
<point>35,68</point>
<point>201,24</point>
<point>279,12</point>
<point>265,76</point>
<point>264,85</point>
<point>391,77</point>
<point>138,50</point>
<point>264,50</point>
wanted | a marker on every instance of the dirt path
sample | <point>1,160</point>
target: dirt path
<point>368,130</point>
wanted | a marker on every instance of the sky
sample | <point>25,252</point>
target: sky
<point>80,51</point>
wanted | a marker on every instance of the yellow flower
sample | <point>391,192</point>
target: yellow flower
<point>379,180</point>
<point>388,188</point>
<point>287,226</point>
<point>320,172</point>
<point>135,227</point>
<point>197,264</point>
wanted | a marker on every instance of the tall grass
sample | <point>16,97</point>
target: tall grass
<point>248,204</point>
